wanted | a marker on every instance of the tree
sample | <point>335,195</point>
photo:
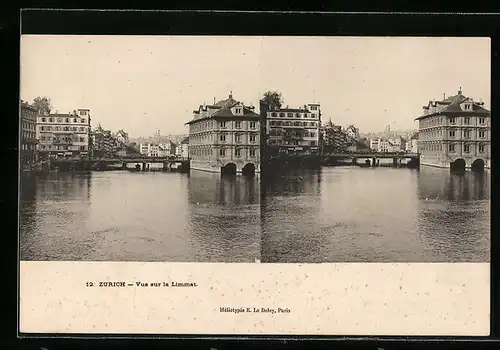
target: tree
<point>272,100</point>
<point>42,104</point>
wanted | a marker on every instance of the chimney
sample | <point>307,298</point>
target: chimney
<point>460,91</point>
<point>230,94</point>
<point>214,100</point>
<point>444,96</point>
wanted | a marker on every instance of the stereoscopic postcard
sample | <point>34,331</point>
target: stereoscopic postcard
<point>254,185</point>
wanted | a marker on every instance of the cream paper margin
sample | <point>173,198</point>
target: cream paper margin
<point>422,299</point>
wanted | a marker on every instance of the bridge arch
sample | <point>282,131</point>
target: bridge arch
<point>477,165</point>
<point>248,169</point>
<point>458,165</point>
<point>229,169</point>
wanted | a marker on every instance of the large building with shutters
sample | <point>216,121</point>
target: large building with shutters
<point>455,133</point>
<point>224,138</point>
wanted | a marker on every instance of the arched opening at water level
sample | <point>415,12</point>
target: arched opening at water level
<point>248,169</point>
<point>229,169</point>
<point>458,166</point>
<point>477,166</point>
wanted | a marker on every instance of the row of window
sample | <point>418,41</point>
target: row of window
<point>28,135</point>
<point>60,148</point>
<point>452,133</point>
<point>28,126</point>
<point>435,121</point>
<point>210,124</point>
<point>293,115</point>
<point>238,138</point>
<point>292,143</point>
<point>451,147</point>
<point>305,133</point>
<point>290,123</point>
<point>25,147</point>
<point>62,139</point>
<point>222,152</point>
<point>63,128</point>
<point>64,120</point>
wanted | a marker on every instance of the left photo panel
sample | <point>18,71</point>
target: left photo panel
<point>105,127</point>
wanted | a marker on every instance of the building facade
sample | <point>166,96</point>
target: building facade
<point>334,138</point>
<point>182,150</point>
<point>64,135</point>
<point>122,138</point>
<point>294,130</point>
<point>149,149</point>
<point>28,135</point>
<point>455,133</point>
<point>224,137</point>
<point>167,149</point>
<point>412,144</point>
<point>104,143</point>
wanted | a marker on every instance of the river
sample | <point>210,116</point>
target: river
<point>335,214</point>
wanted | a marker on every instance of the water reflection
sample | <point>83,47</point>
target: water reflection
<point>337,214</point>
<point>347,214</point>
<point>454,211</point>
<point>128,216</point>
<point>224,217</point>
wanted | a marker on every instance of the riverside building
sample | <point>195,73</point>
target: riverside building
<point>224,138</point>
<point>455,133</point>
<point>64,135</point>
<point>28,134</point>
<point>294,130</point>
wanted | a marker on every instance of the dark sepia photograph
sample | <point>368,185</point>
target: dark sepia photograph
<point>255,149</point>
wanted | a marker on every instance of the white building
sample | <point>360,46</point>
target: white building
<point>64,135</point>
<point>182,150</point>
<point>150,149</point>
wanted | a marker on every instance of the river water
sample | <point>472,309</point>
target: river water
<point>335,214</point>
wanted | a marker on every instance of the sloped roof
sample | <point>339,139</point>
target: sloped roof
<point>452,105</point>
<point>223,110</point>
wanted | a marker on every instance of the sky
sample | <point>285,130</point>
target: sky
<point>146,83</point>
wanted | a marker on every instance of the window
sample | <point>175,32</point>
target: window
<point>312,134</point>
<point>238,110</point>
<point>467,148</point>
<point>83,112</point>
<point>222,124</point>
<point>451,148</point>
<point>51,120</point>
<point>67,120</point>
<point>43,119</point>
<point>222,152</point>
<point>452,133</point>
<point>75,120</point>
<point>297,115</point>
<point>482,120</point>
<point>82,148</point>
<point>223,138</point>
<point>467,120</point>
<point>481,134</point>
<point>237,152</point>
<point>252,152</point>
<point>282,115</point>
<point>481,148</point>
<point>452,120</point>
<point>467,134</point>
<point>238,125</point>
<point>83,120</point>
<point>273,114</point>
<point>252,125</point>
<point>290,115</point>
<point>252,138</point>
<point>237,138</point>
<point>314,108</point>
<point>313,143</point>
